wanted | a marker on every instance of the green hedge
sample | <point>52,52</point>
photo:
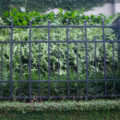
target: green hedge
<point>94,115</point>
<point>60,106</point>
<point>64,110</point>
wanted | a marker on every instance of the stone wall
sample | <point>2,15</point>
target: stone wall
<point>108,9</point>
<point>117,6</point>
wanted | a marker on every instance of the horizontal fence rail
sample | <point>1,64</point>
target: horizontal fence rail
<point>59,62</point>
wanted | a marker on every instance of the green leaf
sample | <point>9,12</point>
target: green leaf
<point>60,9</point>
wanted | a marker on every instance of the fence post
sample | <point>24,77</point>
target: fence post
<point>77,61</point>
<point>30,25</point>
<point>1,93</point>
<point>113,52</point>
<point>20,65</point>
<point>68,84</point>
<point>95,61</point>
<point>11,62</point>
<point>86,54</point>
<point>118,37</point>
<point>39,68</point>
<point>49,59</point>
<point>104,52</point>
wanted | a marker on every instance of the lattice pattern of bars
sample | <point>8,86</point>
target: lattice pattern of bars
<point>72,86</point>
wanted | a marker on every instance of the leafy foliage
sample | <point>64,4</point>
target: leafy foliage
<point>74,17</point>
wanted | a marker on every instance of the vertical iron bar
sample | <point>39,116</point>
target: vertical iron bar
<point>118,38</point>
<point>77,72</point>
<point>68,85</point>
<point>30,25</point>
<point>11,62</point>
<point>49,59</point>
<point>1,67</point>
<point>95,64</point>
<point>118,66</point>
<point>2,62</point>
<point>20,64</point>
<point>39,68</point>
<point>58,55</point>
<point>113,66</point>
<point>86,54</point>
<point>104,52</point>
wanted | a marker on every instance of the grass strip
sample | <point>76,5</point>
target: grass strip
<point>60,106</point>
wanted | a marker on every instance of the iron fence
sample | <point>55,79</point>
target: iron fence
<point>107,82</point>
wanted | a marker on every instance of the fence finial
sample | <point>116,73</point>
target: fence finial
<point>85,22</point>
<point>11,22</point>
<point>67,21</point>
<point>103,21</point>
<point>30,22</point>
<point>49,22</point>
